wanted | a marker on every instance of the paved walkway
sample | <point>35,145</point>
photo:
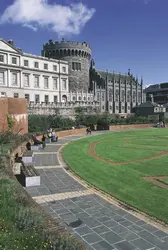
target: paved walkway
<point>93,220</point>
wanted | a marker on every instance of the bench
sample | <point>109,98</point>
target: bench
<point>27,157</point>
<point>36,148</point>
<point>29,176</point>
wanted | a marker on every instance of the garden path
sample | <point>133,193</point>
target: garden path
<point>95,221</point>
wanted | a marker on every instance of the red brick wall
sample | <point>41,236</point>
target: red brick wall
<point>17,108</point>
<point>130,126</point>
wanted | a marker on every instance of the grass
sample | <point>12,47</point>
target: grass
<point>22,224</point>
<point>163,180</point>
<point>125,181</point>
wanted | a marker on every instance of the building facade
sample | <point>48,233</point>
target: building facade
<point>63,78</point>
<point>78,56</point>
<point>116,93</point>
<point>157,93</point>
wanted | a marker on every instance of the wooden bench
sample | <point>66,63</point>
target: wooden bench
<point>29,176</point>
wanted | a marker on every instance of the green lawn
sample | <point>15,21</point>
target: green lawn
<point>125,181</point>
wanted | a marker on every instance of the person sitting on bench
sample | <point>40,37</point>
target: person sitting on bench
<point>36,141</point>
<point>54,138</point>
<point>28,146</point>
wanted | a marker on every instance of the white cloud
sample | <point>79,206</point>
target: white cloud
<point>35,14</point>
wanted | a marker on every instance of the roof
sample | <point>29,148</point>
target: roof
<point>148,104</point>
<point>116,75</point>
<point>10,45</point>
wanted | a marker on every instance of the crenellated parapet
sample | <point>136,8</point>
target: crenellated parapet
<point>63,49</point>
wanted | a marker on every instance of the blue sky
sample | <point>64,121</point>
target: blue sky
<point>123,33</point>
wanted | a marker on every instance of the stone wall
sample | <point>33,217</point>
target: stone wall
<point>130,126</point>
<point>17,108</point>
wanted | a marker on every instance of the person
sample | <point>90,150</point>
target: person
<point>28,146</point>
<point>54,138</point>
<point>36,141</point>
<point>88,131</point>
<point>43,141</point>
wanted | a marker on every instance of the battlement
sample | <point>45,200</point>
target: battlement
<point>67,45</point>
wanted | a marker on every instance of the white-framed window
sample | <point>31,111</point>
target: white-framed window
<point>14,60</point>
<point>64,84</point>
<point>54,67</point>
<point>26,80</point>
<point>1,58</point>
<point>16,95</point>
<point>2,78</point>
<point>27,97</point>
<point>36,81</point>
<point>46,98</point>
<point>36,65</point>
<point>55,98</point>
<point>37,98</point>
<point>46,82</point>
<point>14,79</point>
<point>26,63</point>
<point>45,66</point>
<point>3,94</point>
<point>55,83</point>
<point>64,69</point>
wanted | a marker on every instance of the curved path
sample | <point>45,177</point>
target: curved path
<point>98,222</point>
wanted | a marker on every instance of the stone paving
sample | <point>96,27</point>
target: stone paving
<point>93,220</point>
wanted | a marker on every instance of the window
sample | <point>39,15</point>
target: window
<point>79,98</point>
<point>64,84</point>
<point>122,95</point>
<point>128,95</point>
<point>103,97</point>
<point>110,95</point>
<point>16,95</point>
<point>46,82</point>
<point>55,83</point>
<point>74,98</point>
<point>46,99</point>
<point>14,60</point>
<point>1,58</point>
<point>37,98</point>
<point>36,81</point>
<point>26,63</point>
<point>98,97</point>
<point>2,82</point>
<point>55,99</point>
<point>27,97</point>
<point>14,79</point>
<point>139,96</point>
<point>134,96</point>
<point>45,66</point>
<point>26,80</point>
<point>3,94</point>
<point>117,95</point>
<point>76,66</point>
<point>64,69</point>
<point>54,67</point>
<point>36,65</point>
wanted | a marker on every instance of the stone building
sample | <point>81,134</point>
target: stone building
<point>117,93</point>
<point>78,56</point>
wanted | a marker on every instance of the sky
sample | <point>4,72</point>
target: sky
<point>123,34</point>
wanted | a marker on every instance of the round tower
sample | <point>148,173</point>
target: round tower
<point>78,56</point>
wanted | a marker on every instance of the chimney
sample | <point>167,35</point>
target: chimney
<point>11,42</point>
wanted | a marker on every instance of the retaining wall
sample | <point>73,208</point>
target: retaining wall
<point>17,108</point>
<point>130,126</point>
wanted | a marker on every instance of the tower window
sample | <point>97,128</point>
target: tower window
<point>76,66</point>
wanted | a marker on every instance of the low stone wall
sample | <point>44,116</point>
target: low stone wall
<point>130,126</point>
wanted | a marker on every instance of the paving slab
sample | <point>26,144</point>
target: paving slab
<point>90,218</point>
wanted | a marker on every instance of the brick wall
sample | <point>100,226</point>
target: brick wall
<point>130,126</point>
<point>17,108</point>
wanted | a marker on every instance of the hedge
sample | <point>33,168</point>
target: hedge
<point>40,123</point>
